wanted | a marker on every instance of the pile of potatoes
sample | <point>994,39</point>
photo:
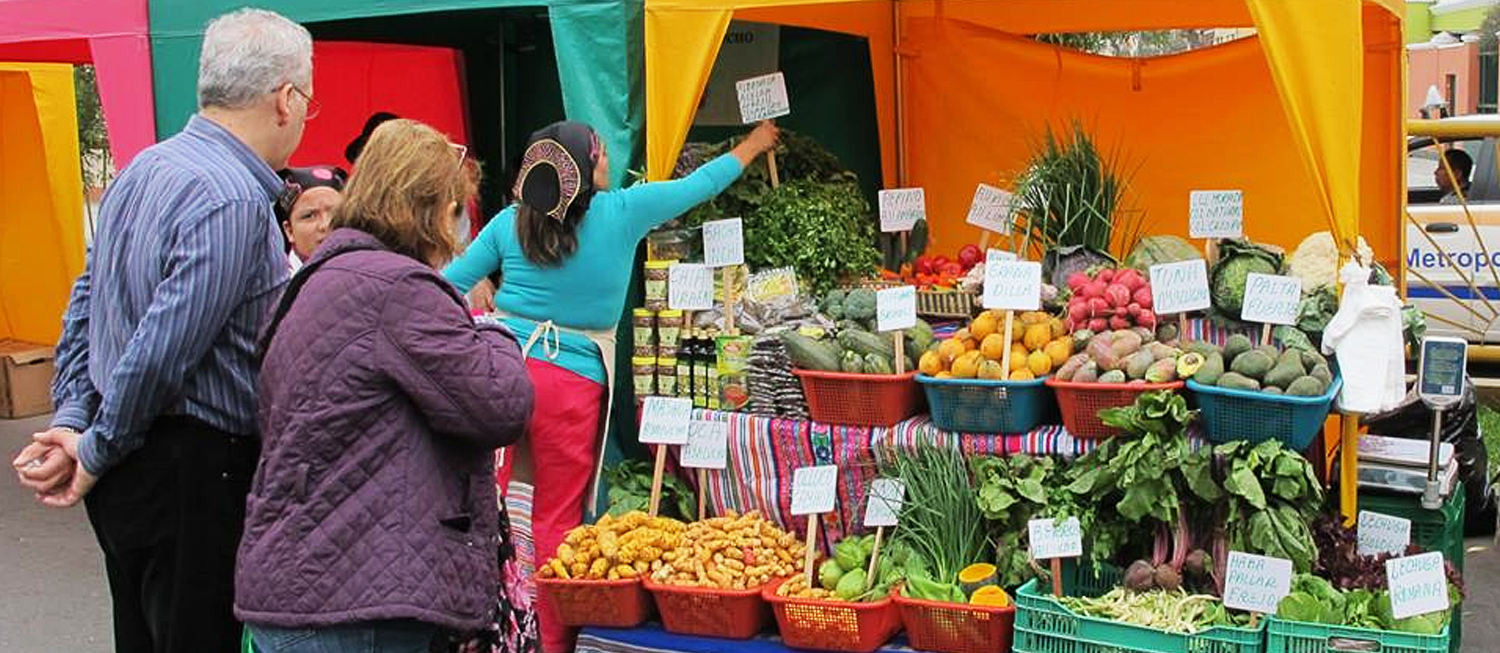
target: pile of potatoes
<point>733,552</point>
<point>1039,343</point>
<point>615,548</point>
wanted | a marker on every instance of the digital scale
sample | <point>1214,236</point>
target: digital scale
<point>1440,385</point>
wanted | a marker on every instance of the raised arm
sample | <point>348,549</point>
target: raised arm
<point>648,205</point>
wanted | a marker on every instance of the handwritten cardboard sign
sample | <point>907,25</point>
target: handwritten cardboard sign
<point>690,287</point>
<point>991,209</point>
<point>664,420</point>
<point>724,243</point>
<point>1180,287</point>
<point>1256,583</point>
<point>883,502</point>
<point>1051,538</point>
<point>1216,214</point>
<point>900,209</point>
<point>763,98</point>
<point>999,255</point>
<point>1382,533</point>
<point>1012,285</point>
<point>707,445</point>
<point>1271,299</point>
<point>1418,584</point>
<point>896,308</point>
<point>814,489</point>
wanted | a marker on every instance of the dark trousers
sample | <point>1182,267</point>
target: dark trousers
<point>169,519</point>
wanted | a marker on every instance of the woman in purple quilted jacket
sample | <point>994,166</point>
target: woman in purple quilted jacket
<point>373,518</point>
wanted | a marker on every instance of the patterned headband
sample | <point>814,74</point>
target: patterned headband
<point>550,153</point>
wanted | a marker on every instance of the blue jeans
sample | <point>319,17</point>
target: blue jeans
<point>366,637</point>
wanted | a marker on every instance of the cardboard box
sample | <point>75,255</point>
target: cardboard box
<point>26,371</point>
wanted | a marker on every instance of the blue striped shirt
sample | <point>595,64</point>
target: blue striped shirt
<point>186,265</point>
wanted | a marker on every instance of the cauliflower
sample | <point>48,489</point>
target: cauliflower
<point>1316,261</point>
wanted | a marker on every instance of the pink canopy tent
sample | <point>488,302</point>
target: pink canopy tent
<point>110,34</point>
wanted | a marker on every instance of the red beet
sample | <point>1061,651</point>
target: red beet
<point>1146,319</point>
<point>1077,281</point>
<point>1117,295</point>
<point>1133,309</point>
<point>1098,307</point>
<point>1106,275</point>
<point>1130,279</point>
<point>1142,296</point>
<point>1118,323</point>
<point>1094,289</point>
<point>1098,324</point>
<point>1078,309</point>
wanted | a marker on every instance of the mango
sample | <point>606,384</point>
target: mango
<point>1087,373</point>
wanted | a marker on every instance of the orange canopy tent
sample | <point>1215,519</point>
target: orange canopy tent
<point>41,199</point>
<point>1304,117</point>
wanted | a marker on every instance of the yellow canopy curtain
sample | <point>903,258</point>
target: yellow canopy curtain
<point>1305,118</point>
<point>41,199</point>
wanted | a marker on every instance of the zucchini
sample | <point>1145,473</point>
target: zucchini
<point>862,343</point>
<point>811,354</point>
<point>877,364</point>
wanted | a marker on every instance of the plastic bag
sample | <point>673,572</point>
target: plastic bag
<point>1412,419</point>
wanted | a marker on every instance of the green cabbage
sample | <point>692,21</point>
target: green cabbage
<point>1237,259</point>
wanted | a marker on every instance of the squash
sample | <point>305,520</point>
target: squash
<point>864,343</point>
<point>990,596</point>
<point>810,354</point>
<point>977,575</point>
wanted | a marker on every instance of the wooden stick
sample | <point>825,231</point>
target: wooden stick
<point>730,300</point>
<point>1211,250</point>
<point>899,337</point>
<point>656,474</point>
<point>1265,333</point>
<point>771,163</point>
<point>1254,620</point>
<point>812,547</point>
<point>702,495</point>
<point>1010,325</point>
<point>874,558</point>
<point>1057,577</point>
<point>1349,467</point>
<point>984,240</point>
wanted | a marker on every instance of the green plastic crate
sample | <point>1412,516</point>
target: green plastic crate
<point>1044,626</point>
<point>1300,637</point>
<point>1433,530</point>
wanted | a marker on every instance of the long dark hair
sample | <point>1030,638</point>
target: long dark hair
<point>547,242</point>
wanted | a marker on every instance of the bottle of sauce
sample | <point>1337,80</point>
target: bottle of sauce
<point>711,357</point>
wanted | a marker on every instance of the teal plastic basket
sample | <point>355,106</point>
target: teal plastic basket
<point>1232,415</point>
<point>1043,625</point>
<point>1301,637</point>
<point>981,406</point>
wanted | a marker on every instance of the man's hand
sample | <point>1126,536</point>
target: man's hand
<point>482,296</point>
<point>44,468</point>
<point>82,481</point>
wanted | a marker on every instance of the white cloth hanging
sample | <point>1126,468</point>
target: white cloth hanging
<point>1365,337</point>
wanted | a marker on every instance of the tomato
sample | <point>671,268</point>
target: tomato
<point>923,265</point>
<point>970,256</point>
<point>952,269</point>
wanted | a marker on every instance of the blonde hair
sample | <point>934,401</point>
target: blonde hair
<point>403,185</point>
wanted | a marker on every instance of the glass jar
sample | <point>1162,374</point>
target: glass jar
<point>657,273</point>
<point>666,376</point>
<point>643,333</point>
<point>669,328</point>
<point>643,371</point>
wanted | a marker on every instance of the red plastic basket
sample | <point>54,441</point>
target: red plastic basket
<point>956,627</point>
<point>860,399</point>
<point>833,625</point>
<point>578,602</point>
<point>729,614</point>
<point>1080,403</point>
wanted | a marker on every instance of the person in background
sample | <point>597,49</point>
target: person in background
<point>1463,166</point>
<point>351,152</point>
<point>155,391</point>
<point>564,251</point>
<point>372,522</point>
<point>305,207</point>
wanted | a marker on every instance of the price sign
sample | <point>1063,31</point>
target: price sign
<point>883,503</point>
<point>664,420</point>
<point>1012,285</point>
<point>896,308</point>
<point>763,98</point>
<point>1216,214</point>
<point>1180,287</point>
<point>707,445</point>
<point>999,255</point>
<point>1382,534</point>
<point>991,209</point>
<point>772,285</point>
<point>1256,583</point>
<point>1052,538</point>
<point>1271,299</point>
<point>901,209</point>
<point>814,489</point>
<point>690,287</point>
<point>724,243</point>
<point>1418,584</point>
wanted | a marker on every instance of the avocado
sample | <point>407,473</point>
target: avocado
<point>1321,373</point>
<point>1306,386</point>
<point>1254,364</point>
<point>1237,381</point>
<point>1312,359</point>
<point>1237,344</point>
<point>1212,369</point>
<point>1272,390</point>
<point>1287,370</point>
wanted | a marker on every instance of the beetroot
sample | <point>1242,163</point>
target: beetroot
<point>1142,296</point>
<point>1098,324</point>
<point>1078,309</point>
<point>1098,307</point>
<point>1077,281</point>
<point>1146,319</point>
<point>1167,578</point>
<point>1130,279</point>
<point>1094,289</point>
<point>1134,310</point>
<point>1106,275</point>
<point>1198,564</point>
<point>1140,577</point>
<point>1118,322</point>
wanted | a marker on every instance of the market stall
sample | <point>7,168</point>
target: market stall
<point>41,199</point>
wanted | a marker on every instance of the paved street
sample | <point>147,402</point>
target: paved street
<point>54,596</point>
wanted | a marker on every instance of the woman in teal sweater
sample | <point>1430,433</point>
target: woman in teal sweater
<point>564,251</point>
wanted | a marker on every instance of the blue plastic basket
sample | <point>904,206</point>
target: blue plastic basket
<point>1231,415</point>
<point>980,406</point>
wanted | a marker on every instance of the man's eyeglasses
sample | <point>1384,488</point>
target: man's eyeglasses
<point>313,106</point>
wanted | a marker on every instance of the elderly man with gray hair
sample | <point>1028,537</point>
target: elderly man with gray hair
<point>155,429</point>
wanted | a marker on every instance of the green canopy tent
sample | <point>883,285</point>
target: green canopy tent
<point>523,63</point>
